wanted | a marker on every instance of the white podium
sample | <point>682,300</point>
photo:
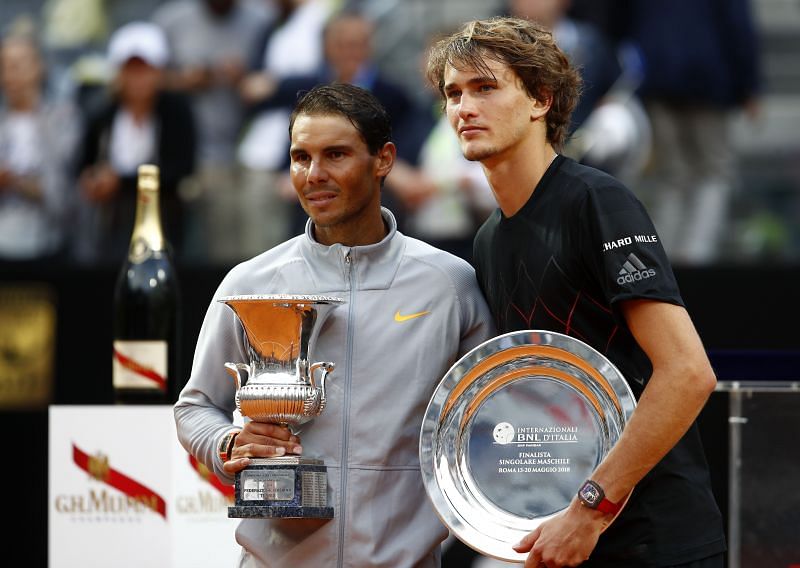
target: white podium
<point>124,493</point>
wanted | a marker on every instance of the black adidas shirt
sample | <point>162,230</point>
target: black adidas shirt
<point>582,244</point>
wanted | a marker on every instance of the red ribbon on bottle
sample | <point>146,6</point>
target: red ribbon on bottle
<point>99,469</point>
<point>140,369</point>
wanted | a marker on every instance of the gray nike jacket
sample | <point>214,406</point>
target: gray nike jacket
<point>387,366</point>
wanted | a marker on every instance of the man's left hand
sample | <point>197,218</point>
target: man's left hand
<point>566,540</point>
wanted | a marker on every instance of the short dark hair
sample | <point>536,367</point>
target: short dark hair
<point>528,49</point>
<point>356,104</point>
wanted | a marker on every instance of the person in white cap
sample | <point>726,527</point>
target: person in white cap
<point>141,40</point>
<point>139,122</point>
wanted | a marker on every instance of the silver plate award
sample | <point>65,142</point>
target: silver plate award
<point>513,430</point>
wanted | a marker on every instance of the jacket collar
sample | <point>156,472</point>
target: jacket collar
<point>371,267</point>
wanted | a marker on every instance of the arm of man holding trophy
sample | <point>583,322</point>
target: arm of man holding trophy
<point>680,385</point>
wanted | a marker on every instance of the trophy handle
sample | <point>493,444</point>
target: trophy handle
<point>240,373</point>
<point>326,370</point>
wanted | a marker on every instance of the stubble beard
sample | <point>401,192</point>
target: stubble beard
<point>478,154</point>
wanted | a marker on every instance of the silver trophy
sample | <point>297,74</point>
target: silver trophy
<point>513,430</point>
<point>281,385</point>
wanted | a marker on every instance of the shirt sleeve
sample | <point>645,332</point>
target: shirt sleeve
<point>204,410</point>
<point>622,249</point>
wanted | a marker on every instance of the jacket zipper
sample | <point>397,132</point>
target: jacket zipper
<point>348,261</point>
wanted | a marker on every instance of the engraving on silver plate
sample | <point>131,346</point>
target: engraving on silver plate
<point>265,484</point>
<point>513,430</point>
<point>315,486</point>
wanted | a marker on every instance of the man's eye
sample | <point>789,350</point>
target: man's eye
<point>485,88</point>
<point>453,94</point>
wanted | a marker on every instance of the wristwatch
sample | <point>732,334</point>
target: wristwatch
<point>593,496</point>
<point>225,446</point>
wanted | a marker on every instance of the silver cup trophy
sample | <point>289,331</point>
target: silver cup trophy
<point>281,385</point>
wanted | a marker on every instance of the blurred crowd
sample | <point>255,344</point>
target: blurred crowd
<point>203,89</point>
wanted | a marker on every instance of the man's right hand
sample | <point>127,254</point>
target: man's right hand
<point>261,440</point>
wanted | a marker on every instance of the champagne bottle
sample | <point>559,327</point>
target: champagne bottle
<point>146,307</point>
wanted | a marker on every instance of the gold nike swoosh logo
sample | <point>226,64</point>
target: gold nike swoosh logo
<point>400,318</point>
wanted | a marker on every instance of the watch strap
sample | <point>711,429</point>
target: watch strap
<point>593,496</point>
<point>225,447</point>
<point>608,507</point>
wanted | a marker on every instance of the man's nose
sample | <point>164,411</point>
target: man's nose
<point>316,172</point>
<point>467,106</point>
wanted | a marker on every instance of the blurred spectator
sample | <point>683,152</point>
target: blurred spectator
<point>290,45</point>
<point>445,196</point>
<point>348,51</point>
<point>211,41</point>
<point>139,122</point>
<point>610,16</point>
<point>586,45</point>
<point>609,129</point>
<point>701,63</point>
<point>616,137</point>
<point>74,24</point>
<point>458,197</point>
<point>37,137</point>
<point>72,29</point>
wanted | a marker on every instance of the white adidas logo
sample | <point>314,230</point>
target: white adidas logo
<point>634,270</point>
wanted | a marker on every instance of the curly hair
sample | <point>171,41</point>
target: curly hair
<point>528,49</point>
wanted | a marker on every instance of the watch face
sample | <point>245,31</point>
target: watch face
<point>224,447</point>
<point>590,494</point>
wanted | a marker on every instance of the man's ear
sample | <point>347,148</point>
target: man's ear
<point>386,157</point>
<point>540,106</point>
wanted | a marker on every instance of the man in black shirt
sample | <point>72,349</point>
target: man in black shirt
<point>572,250</point>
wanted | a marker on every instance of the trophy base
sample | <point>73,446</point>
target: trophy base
<point>284,487</point>
<point>267,512</point>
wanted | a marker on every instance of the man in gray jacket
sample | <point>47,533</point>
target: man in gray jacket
<point>411,311</point>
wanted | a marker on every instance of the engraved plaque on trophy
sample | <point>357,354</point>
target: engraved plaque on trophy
<point>281,384</point>
<point>513,430</point>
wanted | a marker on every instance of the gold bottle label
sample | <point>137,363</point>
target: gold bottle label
<point>147,234</point>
